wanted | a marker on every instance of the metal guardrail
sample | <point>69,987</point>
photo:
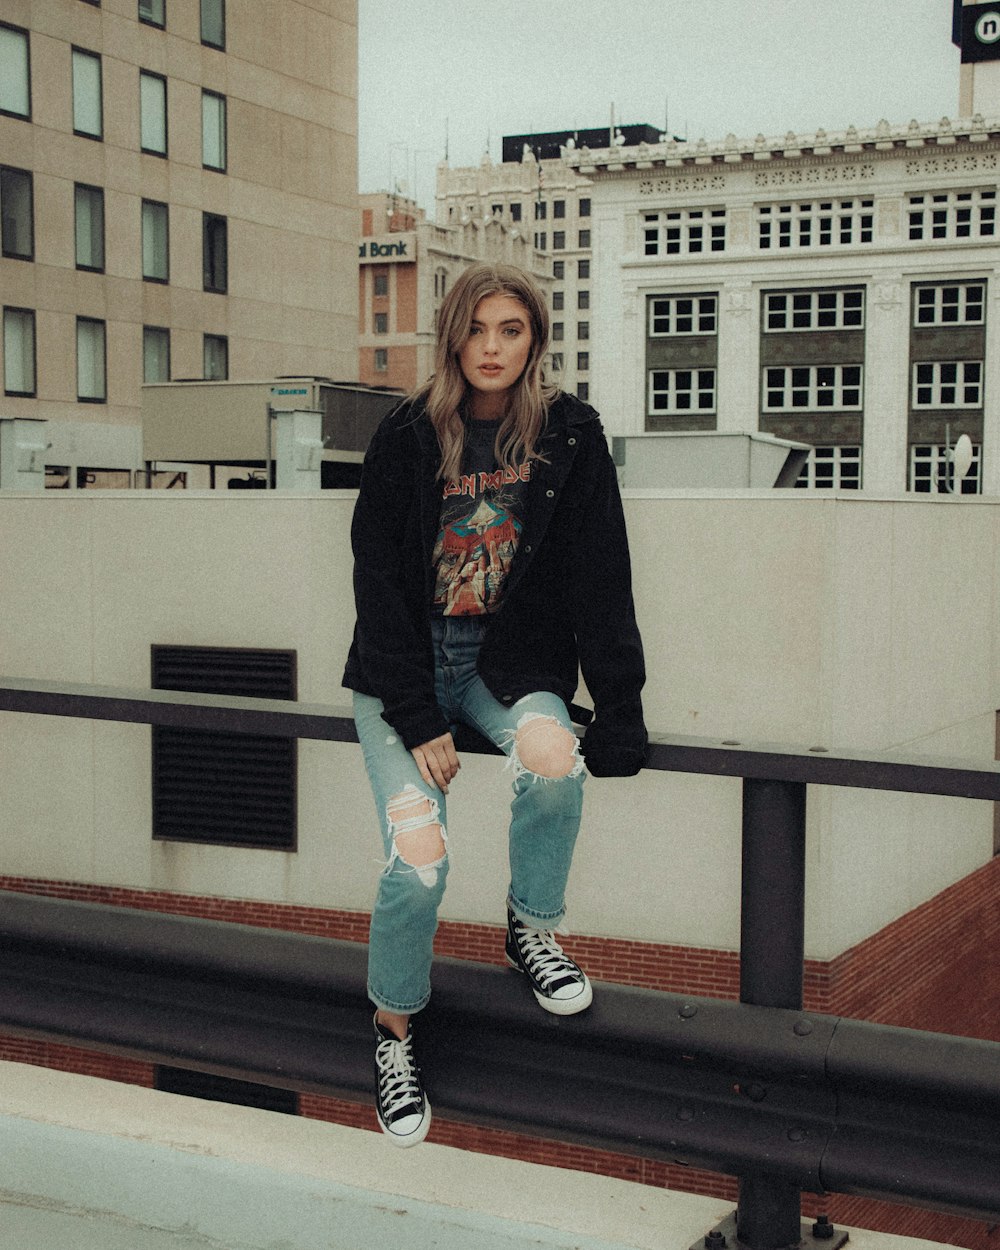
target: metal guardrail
<point>782,1099</point>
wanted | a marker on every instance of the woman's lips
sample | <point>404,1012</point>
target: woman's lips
<point>491,370</point>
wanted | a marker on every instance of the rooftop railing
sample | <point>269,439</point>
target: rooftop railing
<point>783,1099</point>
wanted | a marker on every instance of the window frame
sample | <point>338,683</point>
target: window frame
<point>79,57</point>
<point>380,323</point>
<point>101,390</point>
<point>809,301</point>
<point>30,319</point>
<point>938,383</point>
<point>843,465</point>
<point>937,289</point>
<point>381,360</point>
<point>692,231</point>
<point>946,224</point>
<point>935,457</point>
<point>815,386</point>
<point>672,390</point>
<point>151,21</point>
<point>147,332</point>
<point>214,341</point>
<point>92,191</point>
<point>147,79</point>
<point>149,241</point>
<point>820,224</point>
<point>24,115</point>
<point>203,8</point>
<point>699,316</point>
<point>10,253</point>
<point>213,228</point>
<point>222,138</point>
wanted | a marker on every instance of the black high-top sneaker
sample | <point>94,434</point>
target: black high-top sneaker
<point>560,985</point>
<point>404,1114</point>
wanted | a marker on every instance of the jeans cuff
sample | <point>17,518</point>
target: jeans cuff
<point>539,919</point>
<point>399,1009</point>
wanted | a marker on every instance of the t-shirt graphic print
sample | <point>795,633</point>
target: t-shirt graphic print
<point>481,522</point>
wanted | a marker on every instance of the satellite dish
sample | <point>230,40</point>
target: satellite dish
<point>961,459</point>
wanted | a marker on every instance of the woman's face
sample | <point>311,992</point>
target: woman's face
<point>496,351</point>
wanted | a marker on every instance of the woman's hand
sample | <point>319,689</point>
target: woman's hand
<point>437,761</point>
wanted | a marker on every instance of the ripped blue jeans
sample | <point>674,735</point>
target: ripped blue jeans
<point>545,815</point>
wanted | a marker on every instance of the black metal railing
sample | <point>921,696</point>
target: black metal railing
<point>785,1100</point>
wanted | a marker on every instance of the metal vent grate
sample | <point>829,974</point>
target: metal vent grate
<point>220,788</point>
<point>225,1089</point>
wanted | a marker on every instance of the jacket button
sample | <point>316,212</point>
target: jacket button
<point>527,547</point>
<point>550,494</point>
<point>572,442</point>
<point>507,698</point>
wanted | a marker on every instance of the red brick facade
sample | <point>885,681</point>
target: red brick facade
<point>936,968</point>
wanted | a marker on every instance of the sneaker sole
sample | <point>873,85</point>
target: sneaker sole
<point>558,1006</point>
<point>404,1140</point>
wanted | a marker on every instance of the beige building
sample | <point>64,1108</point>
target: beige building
<point>406,264</point>
<point>178,199</point>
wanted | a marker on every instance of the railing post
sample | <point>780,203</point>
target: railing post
<point>772,950</point>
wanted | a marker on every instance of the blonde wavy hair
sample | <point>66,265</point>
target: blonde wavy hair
<point>445,392</point>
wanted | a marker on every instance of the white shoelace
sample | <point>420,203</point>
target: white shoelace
<point>546,958</point>
<point>398,1084</point>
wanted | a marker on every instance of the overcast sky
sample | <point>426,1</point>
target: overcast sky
<point>473,72</point>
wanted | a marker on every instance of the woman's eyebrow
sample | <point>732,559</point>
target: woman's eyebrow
<point>507,321</point>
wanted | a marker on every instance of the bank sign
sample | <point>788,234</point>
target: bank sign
<point>980,31</point>
<point>391,248</point>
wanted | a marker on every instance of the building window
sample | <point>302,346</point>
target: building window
<point>584,208</point>
<point>215,358</point>
<point>381,360</point>
<point>515,212</point>
<point>682,314</point>
<point>17,213</point>
<point>381,323</point>
<point>583,268</point>
<point>496,210</point>
<point>583,390</point>
<point>557,331</point>
<point>541,240</point>
<point>88,107</point>
<point>224,788</point>
<point>91,356</point>
<point>88,207</point>
<point>583,299</point>
<point>213,23</point>
<point>798,388</point>
<point>380,284</point>
<point>155,242</point>
<point>831,468</point>
<point>558,208</point>
<point>559,270</point>
<point>18,351</point>
<point>948,384</point>
<point>213,131</point>
<point>584,239</point>
<point>952,215</point>
<point>582,361</point>
<point>814,310</point>
<point>949,304</point>
<point>153,12</point>
<point>932,472</point>
<point>155,354</point>
<point>541,210</point>
<point>682,232</point>
<point>558,299</point>
<point>583,329</point>
<point>440,283</point>
<point>557,362</point>
<point>558,240</point>
<point>214,253</point>
<point>675,392</point>
<point>152,113</point>
<point>15,71</point>
<point>820,223</point>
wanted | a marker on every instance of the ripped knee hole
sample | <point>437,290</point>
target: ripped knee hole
<point>545,747</point>
<point>418,836</point>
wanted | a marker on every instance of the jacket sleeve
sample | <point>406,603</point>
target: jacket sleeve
<point>393,648</point>
<point>610,648</point>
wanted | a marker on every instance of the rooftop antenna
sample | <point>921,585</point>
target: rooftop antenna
<point>446,140</point>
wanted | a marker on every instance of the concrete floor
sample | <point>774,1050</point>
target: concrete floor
<point>87,1164</point>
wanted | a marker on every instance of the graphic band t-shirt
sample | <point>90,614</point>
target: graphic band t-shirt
<point>482,515</point>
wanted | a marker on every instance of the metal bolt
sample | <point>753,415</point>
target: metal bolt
<point>687,1011</point>
<point>802,1028</point>
<point>823,1230</point>
<point>715,1240</point>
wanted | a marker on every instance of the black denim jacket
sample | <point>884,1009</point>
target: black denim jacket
<point>567,605</point>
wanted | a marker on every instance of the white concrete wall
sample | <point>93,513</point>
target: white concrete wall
<point>848,621</point>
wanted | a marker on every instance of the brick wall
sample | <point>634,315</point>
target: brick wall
<point>935,968</point>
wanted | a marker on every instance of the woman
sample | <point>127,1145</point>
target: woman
<point>491,565</point>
